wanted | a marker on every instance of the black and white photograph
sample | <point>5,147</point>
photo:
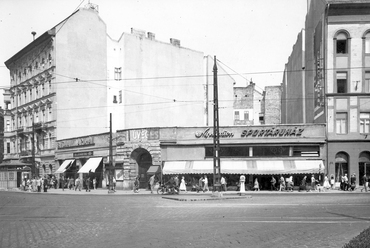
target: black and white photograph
<point>184,123</point>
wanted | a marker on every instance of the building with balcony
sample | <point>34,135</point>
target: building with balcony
<point>68,81</point>
<point>334,82</point>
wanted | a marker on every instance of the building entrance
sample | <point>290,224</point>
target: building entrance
<point>143,161</point>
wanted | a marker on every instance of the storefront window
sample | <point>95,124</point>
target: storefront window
<point>271,151</point>
<point>306,151</point>
<point>231,151</point>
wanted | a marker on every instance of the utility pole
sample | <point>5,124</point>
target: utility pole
<point>111,190</point>
<point>216,133</point>
<point>33,150</point>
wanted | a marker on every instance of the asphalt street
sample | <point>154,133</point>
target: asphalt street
<point>80,219</point>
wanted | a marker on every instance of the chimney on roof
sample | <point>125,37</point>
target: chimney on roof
<point>33,34</point>
<point>151,36</point>
<point>138,32</point>
<point>175,42</point>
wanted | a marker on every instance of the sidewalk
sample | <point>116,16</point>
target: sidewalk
<point>101,191</point>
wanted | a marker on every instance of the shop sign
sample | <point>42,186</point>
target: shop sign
<point>208,134</point>
<point>144,134</point>
<point>272,132</point>
<point>84,141</point>
<point>83,154</point>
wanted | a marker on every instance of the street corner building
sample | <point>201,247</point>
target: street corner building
<point>256,151</point>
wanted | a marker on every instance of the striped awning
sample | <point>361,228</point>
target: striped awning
<point>252,167</point>
<point>64,166</point>
<point>90,165</point>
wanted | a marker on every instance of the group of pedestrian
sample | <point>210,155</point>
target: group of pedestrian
<point>35,184</point>
<point>77,184</point>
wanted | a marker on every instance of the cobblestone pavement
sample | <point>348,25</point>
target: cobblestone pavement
<point>145,220</point>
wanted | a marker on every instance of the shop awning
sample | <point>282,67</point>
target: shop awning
<point>153,169</point>
<point>259,167</point>
<point>90,165</point>
<point>63,167</point>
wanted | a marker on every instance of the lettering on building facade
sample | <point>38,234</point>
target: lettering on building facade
<point>272,132</point>
<point>84,141</point>
<point>83,154</point>
<point>207,134</point>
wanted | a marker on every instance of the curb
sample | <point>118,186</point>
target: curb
<point>206,199</point>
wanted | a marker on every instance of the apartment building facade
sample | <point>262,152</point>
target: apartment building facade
<point>336,74</point>
<point>67,81</point>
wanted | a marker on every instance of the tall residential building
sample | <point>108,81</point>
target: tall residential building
<point>336,79</point>
<point>67,81</point>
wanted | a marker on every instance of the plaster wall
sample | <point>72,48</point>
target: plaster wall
<point>81,107</point>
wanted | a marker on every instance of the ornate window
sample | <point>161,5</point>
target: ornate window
<point>341,43</point>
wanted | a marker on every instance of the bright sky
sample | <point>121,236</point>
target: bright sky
<point>252,37</point>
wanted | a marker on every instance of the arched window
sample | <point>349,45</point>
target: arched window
<point>50,168</point>
<point>364,165</point>
<point>342,43</point>
<point>341,165</point>
<point>44,169</point>
<point>367,42</point>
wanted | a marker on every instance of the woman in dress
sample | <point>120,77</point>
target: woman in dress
<point>183,185</point>
<point>326,183</point>
<point>256,186</point>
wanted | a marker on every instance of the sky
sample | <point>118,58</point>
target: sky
<point>251,38</point>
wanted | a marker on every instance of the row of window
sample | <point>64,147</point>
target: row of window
<point>265,151</point>
<point>342,42</point>
<point>26,120</point>
<point>342,82</point>
<point>31,94</point>
<point>32,69</point>
<point>43,141</point>
<point>341,123</point>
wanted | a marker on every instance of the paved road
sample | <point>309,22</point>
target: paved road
<point>262,220</point>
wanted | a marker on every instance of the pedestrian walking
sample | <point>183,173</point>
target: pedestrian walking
<point>205,184</point>
<point>71,183</point>
<point>242,183</point>
<point>38,184</point>
<point>303,184</point>
<point>346,184</point>
<point>62,182</point>
<point>332,181</point>
<point>326,183</point>
<point>282,183</point>
<point>136,184</point>
<point>256,186</point>
<point>183,184</point>
<point>273,183</point>
<point>114,184</point>
<point>365,183</point>
<point>152,183</point>
<point>289,184</point>
<point>78,184</point>
<point>200,184</point>
<point>45,184</point>
<point>94,183</point>
<point>353,182</point>
<point>223,184</point>
<point>313,183</point>
<point>88,181</point>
